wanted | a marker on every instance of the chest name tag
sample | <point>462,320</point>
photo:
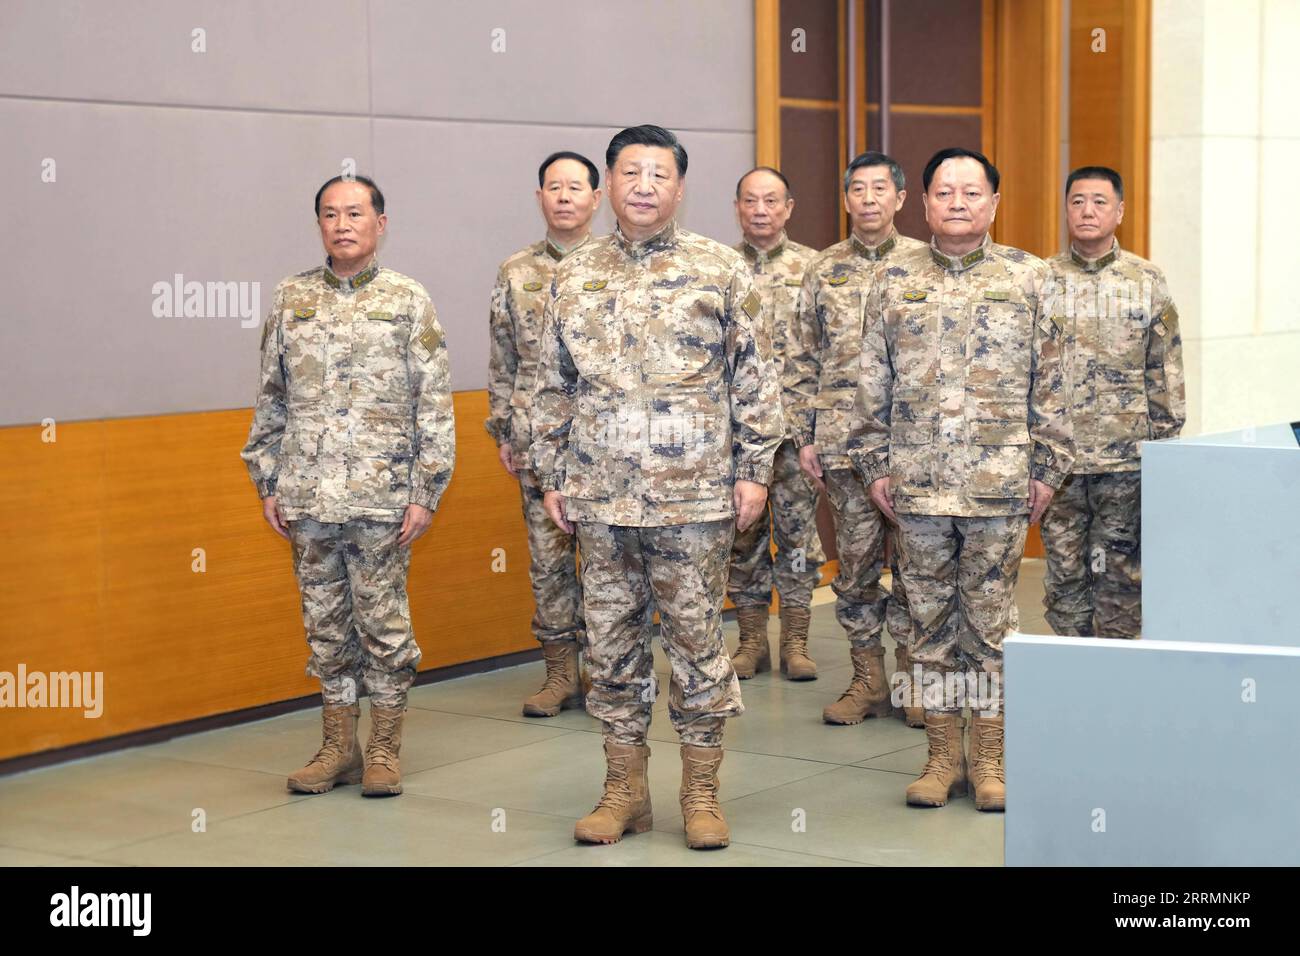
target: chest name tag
<point>997,295</point>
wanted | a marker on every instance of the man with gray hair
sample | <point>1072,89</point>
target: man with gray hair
<point>820,383</point>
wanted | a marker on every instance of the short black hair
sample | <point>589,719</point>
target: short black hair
<point>645,136</point>
<point>1096,172</point>
<point>376,196</point>
<point>957,152</point>
<point>593,174</point>
<point>873,158</point>
<point>765,169</point>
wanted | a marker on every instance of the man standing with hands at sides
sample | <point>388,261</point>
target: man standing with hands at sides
<point>568,194</point>
<point>964,433</point>
<point>655,421</point>
<point>351,447</point>
<point>763,206</point>
<point>1126,360</point>
<point>820,381</point>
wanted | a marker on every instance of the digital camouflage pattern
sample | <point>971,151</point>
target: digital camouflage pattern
<point>1092,534</point>
<point>796,568</point>
<point>792,500</point>
<point>353,415</point>
<point>354,608</point>
<point>964,394</point>
<point>519,298</point>
<point>682,569</point>
<point>553,572</point>
<point>653,397</point>
<point>961,577</point>
<point>778,276</point>
<point>1124,353</point>
<point>820,379</point>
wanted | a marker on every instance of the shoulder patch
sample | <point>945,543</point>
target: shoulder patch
<point>430,338</point>
<point>914,295</point>
<point>1168,321</point>
<point>997,295</point>
<point>532,286</point>
<point>304,313</point>
<point>594,285</point>
<point>752,305</point>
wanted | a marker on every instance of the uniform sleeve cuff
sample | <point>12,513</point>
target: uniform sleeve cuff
<point>548,482</point>
<point>755,472</point>
<point>1048,476</point>
<point>265,487</point>
<point>498,431</point>
<point>874,467</point>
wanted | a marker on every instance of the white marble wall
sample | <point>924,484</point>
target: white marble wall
<point>1225,166</point>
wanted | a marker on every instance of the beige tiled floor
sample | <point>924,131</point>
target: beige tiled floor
<point>487,786</point>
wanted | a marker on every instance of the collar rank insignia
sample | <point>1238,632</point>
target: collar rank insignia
<point>304,313</point>
<point>380,316</point>
<point>594,285</point>
<point>997,295</point>
<point>532,286</point>
<point>837,280</point>
<point>914,295</point>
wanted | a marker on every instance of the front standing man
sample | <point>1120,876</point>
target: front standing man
<point>1126,361</point>
<point>964,433</point>
<point>568,193</point>
<point>821,380</point>
<point>351,446</point>
<point>763,206</point>
<point>656,419</point>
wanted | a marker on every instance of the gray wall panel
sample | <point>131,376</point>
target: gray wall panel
<point>583,62</point>
<point>308,55</point>
<point>143,194</point>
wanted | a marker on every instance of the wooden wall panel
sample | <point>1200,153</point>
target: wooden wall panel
<point>99,530</point>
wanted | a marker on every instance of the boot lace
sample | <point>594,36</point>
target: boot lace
<point>380,749</point>
<point>330,749</point>
<point>699,796</point>
<point>941,757</point>
<point>618,788</point>
<point>989,757</point>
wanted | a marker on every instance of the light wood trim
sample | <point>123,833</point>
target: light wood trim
<point>1027,123</point>
<point>988,66</point>
<point>767,83</point>
<point>929,109</point>
<point>841,47</point>
<point>858,99</point>
<point>806,104</point>
<point>1136,123</point>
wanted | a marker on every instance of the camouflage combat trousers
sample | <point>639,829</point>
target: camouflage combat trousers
<point>961,584</point>
<point>353,582</point>
<point>792,503</point>
<point>1092,533</point>
<point>553,572</point>
<point>861,603</point>
<point>683,570</point>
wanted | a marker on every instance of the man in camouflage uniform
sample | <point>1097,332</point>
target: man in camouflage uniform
<point>964,433</point>
<point>351,446</point>
<point>568,194</point>
<point>1125,355</point>
<point>655,421</point>
<point>763,206</point>
<point>820,381</point>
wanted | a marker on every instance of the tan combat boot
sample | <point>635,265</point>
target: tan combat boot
<point>944,775</point>
<point>625,804</point>
<point>383,777</point>
<point>339,758</point>
<point>912,711</point>
<point>561,688</point>
<point>701,812</point>
<point>868,693</point>
<point>795,662</point>
<point>987,771</point>
<point>753,656</point>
